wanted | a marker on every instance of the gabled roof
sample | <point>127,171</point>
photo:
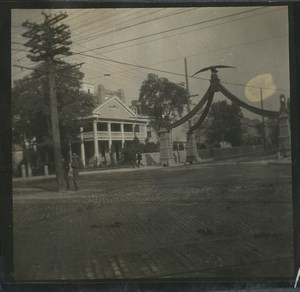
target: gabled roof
<point>114,108</point>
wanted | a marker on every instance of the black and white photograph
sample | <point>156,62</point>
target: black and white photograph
<point>151,143</point>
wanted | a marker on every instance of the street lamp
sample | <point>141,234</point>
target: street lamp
<point>282,102</point>
<point>263,120</point>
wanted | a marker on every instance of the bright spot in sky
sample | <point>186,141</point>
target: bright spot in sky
<point>263,81</point>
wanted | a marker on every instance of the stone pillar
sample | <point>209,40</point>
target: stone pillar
<point>82,150</point>
<point>284,150</point>
<point>23,170</point>
<point>123,136</point>
<point>109,136</point>
<point>29,171</point>
<point>46,171</point>
<point>95,132</point>
<point>192,155</point>
<point>166,153</point>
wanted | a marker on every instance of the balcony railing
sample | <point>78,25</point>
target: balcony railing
<point>104,136</point>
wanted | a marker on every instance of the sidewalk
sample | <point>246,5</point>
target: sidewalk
<point>204,162</point>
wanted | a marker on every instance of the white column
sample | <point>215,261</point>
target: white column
<point>122,133</point>
<point>70,152</point>
<point>95,131</point>
<point>133,129</point>
<point>109,136</point>
<point>82,147</point>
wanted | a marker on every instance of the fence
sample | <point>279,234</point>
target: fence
<point>152,159</point>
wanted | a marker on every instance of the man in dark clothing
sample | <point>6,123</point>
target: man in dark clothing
<point>139,158</point>
<point>66,167</point>
<point>75,166</point>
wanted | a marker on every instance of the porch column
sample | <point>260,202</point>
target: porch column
<point>70,151</point>
<point>109,136</point>
<point>122,133</point>
<point>95,131</point>
<point>133,129</point>
<point>82,147</point>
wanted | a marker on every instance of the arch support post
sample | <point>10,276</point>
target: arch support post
<point>284,150</point>
<point>166,153</point>
<point>192,155</point>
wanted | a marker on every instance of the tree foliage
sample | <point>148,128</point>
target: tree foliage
<point>163,99</point>
<point>224,123</point>
<point>31,111</point>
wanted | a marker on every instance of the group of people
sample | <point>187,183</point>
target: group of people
<point>71,170</point>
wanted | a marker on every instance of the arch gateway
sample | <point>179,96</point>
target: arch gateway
<point>166,155</point>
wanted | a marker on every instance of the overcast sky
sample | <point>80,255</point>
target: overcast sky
<point>252,39</point>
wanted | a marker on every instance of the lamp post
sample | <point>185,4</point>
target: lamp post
<point>263,120</point>
<point>282,102</point>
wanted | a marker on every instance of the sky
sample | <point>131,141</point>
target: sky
<point>128,44</point>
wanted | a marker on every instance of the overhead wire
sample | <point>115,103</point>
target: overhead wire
<point>135,24</point>
<point>171,29</point>
<point>189,31</point>
<point>103,24</point>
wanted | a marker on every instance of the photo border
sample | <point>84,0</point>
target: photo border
<point>6,215</point>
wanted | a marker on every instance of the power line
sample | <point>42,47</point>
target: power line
<point>170,72</point>
<point>139,23</point>
<point>106,23</point>
<point>172,29</point>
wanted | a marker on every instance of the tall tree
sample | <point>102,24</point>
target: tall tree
<point>163,99</point>
<point>31,111</point>
<point>224,123</point>
<point>48,41</point>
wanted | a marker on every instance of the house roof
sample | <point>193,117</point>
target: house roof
<point>114,108</point>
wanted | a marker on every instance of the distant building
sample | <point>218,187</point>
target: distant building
<point>251,131</point>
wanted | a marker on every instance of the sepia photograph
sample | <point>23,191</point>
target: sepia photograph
<point>151,143</point>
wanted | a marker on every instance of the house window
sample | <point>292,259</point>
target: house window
<point>136,128</point>
<point>181,147</point>
<point>102,127</point>
<point>127,127</point>
<point>115,127</point>
<point>149,134</point>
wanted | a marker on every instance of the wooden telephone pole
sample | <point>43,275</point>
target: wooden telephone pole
<point>192,155</point>
<point>48,41</point>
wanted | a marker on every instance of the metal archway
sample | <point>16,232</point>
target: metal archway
<point>215,86</point>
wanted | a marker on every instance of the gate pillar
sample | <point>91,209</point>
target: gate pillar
<point>284,136</point>
<point>192,155</point>
<point>166,153</point>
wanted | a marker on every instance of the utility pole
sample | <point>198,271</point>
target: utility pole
<point>191,146</point>
<point>48,41</point>
<point>263,120</point>
<point>187,90</point>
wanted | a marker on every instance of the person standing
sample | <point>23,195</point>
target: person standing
<point>66,167</point>
<point>75,166</point>
<point>139,158</point>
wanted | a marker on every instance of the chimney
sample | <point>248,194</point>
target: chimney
<point>122,95</point>
<point>100,94</point>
